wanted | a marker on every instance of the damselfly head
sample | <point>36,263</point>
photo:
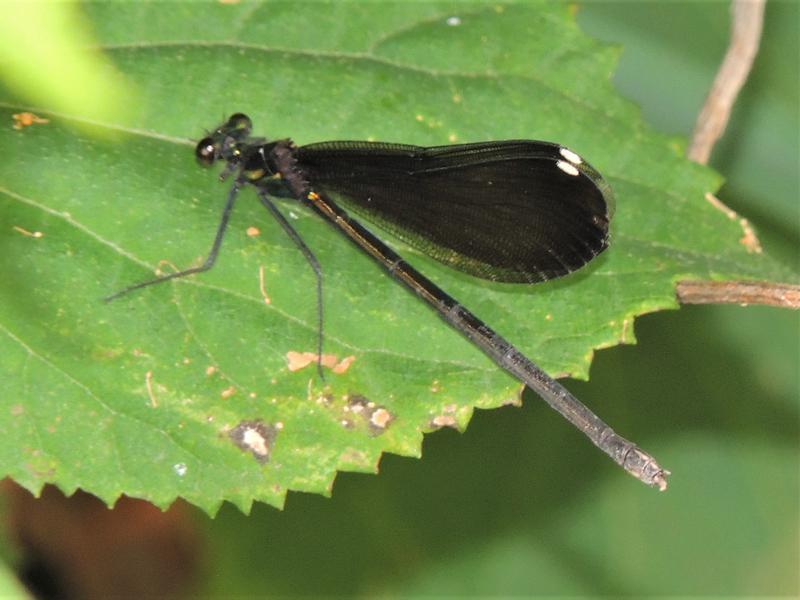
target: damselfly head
<point>205,152</point>
<point>224,140</point>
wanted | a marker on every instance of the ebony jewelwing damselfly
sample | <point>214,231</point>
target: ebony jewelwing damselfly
<point>507,211</point>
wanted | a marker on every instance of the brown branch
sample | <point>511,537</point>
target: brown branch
<point>747,17</point>
<point>783,295</point>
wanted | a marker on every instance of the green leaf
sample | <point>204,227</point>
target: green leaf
<point>153,395</point>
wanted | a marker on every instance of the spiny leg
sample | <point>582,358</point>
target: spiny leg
<point>312,260</point>
<point>210,259</point>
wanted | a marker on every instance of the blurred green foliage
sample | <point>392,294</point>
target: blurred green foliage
<point>48,56</point>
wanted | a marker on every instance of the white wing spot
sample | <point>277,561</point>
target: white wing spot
<point>570,156</point>
<point>568,168</point>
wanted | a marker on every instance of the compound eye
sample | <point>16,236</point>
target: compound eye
<point>241,123</point>
<point>205,152</point>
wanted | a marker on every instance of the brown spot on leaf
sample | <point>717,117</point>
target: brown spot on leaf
<point>378,418</point>
<point>26,119</point>
<point>300,360</point>
<point>256,437</point>
<point>343,365</point>
<point>447,418</point>
<point>444,421</point>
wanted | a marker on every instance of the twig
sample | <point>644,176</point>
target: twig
<point>747,17</point>
<point>783,295</point>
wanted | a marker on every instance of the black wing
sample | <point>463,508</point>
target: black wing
<point>513,211</point>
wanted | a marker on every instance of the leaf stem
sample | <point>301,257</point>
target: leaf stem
<point>783,295</point>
